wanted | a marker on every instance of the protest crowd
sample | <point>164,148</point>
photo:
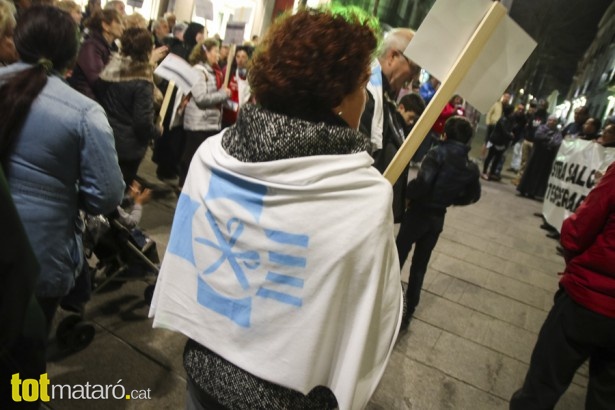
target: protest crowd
<point>245,138</point>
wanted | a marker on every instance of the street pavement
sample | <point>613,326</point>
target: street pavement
<point>488,289</point>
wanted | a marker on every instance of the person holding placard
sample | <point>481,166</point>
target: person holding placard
<point>203,112</point>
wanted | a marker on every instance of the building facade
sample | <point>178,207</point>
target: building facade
<point>594,83</point>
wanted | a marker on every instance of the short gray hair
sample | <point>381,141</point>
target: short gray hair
<point>179,28</point>
<point>396,39</point>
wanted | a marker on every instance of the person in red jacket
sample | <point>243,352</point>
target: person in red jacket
<point>581,324</point>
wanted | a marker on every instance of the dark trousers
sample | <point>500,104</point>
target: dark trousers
<point>493,157</point>
<point>570,335</point>
<point>194,139</point>
<point>129,170</point>
<point>422,227</point>
<point>168,150</point>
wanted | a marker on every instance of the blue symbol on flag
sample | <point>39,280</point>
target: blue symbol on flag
<point>280,285</point>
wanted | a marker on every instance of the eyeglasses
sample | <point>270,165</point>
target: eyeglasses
<point>414,68</point>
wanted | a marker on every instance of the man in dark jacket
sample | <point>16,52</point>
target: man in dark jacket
<point>581,324</point>
<point>446,177</point>
<point>390,72</point>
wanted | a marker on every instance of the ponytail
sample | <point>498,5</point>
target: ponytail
<point>45,37</point>
<point>18,93</point>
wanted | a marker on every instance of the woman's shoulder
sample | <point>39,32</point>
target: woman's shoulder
<point>62,94</point>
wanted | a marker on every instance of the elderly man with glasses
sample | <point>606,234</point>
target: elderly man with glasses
<point>390,71</point>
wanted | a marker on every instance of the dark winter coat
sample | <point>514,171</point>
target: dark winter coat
<point>126,92</point>
<point>392,139</point>
<point>446,177</point>
<point>93,57</point>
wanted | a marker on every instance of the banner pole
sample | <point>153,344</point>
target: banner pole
<point>229,63</point>
<point>167,99</point>
<point>445,92</point>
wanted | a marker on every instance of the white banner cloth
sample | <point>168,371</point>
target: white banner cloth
<point>572,177</point>
<point>288,269</point>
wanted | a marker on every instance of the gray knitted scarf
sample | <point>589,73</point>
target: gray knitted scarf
<point>261,135</point>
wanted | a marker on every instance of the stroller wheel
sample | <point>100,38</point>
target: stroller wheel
<point>148,294</point>
<point>81,336</point>
<point>74,334</point>
<point>65,327</point>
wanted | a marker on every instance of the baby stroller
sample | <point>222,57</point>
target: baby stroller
<point>114,255</point>
<point>122,255</point>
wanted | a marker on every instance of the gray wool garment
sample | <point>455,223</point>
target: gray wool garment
<point>260,136</point>
<point>234,388</point>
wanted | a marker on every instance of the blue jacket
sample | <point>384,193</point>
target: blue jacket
<point>63,160</point>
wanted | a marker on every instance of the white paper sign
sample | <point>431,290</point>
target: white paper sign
<point>135,3</point>
<point>204,9</point>
<point>448,28</point>
<point>503,56</point>
<point>175,68</point>
<point>234,32</point>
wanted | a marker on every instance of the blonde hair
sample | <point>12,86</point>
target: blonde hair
<point>7,17</point>
<point>135,20</point>
<point>68,6</point>
<point>197,55</point>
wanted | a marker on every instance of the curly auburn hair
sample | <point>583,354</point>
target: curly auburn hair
<point>308,62</point>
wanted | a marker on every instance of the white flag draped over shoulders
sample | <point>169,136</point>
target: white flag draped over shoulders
<point>287,269</point>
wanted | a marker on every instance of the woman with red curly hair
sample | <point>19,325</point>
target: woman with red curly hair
<point>281,268</point>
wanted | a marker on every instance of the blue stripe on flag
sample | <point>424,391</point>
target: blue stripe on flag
<point>287,238</point>
<point>287,260</point>
<point>285,279</point>
<point>246,194</point>
<point>238,310</point>
<point>180,242</point>
<point>279,296</point>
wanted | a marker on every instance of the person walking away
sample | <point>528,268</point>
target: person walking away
<point>446,177</point>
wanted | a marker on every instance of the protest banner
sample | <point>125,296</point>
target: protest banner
<point>477,61</point>
<point>572,177</point>
<point>233,35</point>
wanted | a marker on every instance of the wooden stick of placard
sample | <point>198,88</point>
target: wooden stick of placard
<point>166,100</point>
<point>445,92</point>
<point>229,63</point>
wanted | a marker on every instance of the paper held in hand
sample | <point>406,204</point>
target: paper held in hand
<point>176,69</point>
